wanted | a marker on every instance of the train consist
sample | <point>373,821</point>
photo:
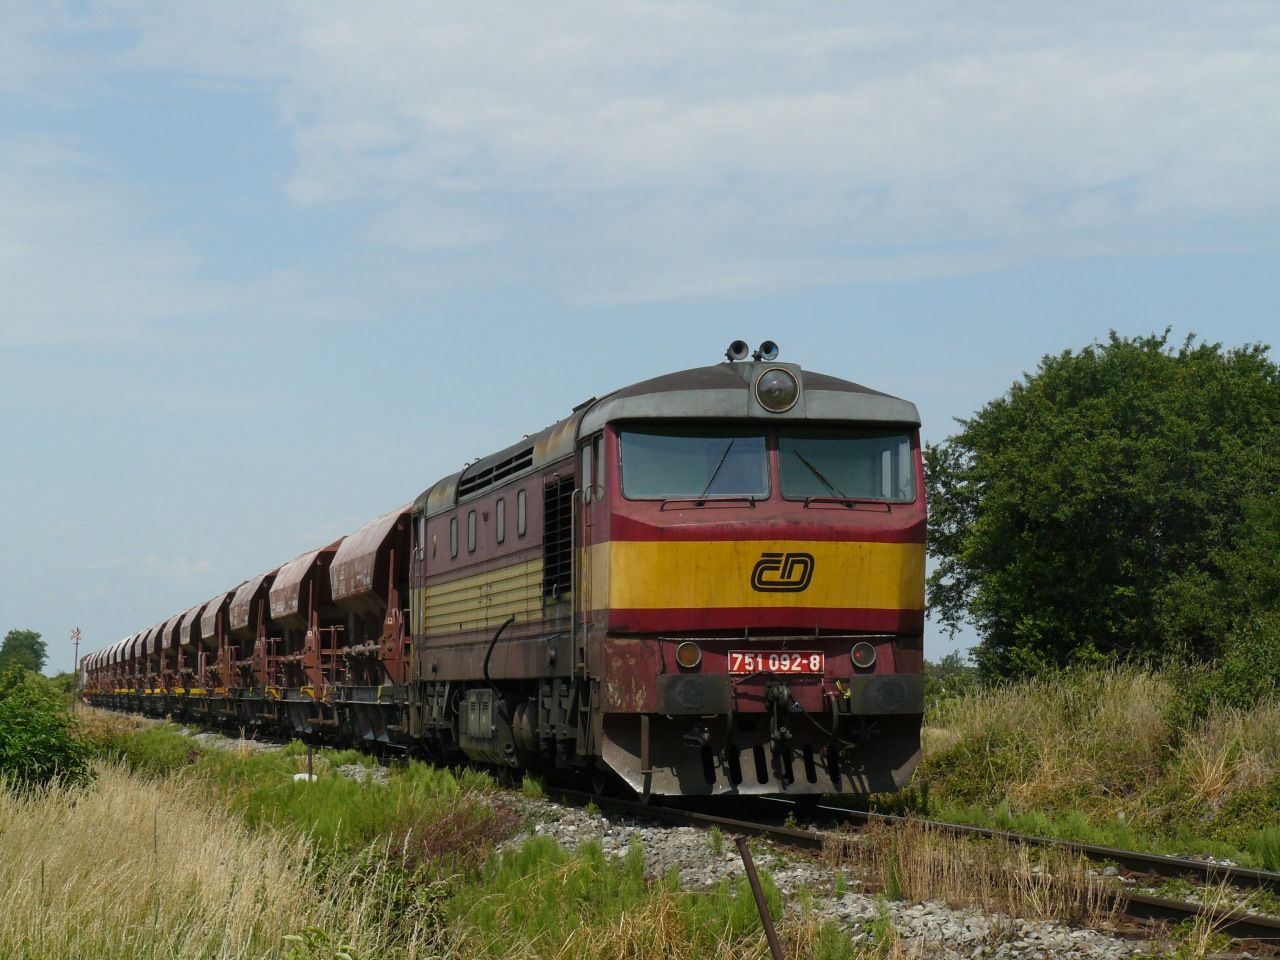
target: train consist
<point>711,582</point>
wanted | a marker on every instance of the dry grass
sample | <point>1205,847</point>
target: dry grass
<point>1104,726</point>
<point>93,720</point>
<point>918,862</point>
<point>1203,937</point>
<point>661,927</point>
<point>1096,756</point>
<point>1235,750</point>
<point>1103,729</point>
<point>656,930</point>
<point>131,868</point>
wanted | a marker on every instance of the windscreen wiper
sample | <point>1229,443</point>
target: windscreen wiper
<point>818,473</point>
<point>714,473</point>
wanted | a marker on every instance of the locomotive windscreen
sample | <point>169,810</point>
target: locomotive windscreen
<point>659,463</point>
<point>858,464</point>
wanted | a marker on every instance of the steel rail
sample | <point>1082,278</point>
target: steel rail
<point>1136,860</point>
<point>1233,923</point>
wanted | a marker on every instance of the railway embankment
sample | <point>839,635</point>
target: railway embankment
<point>414,861</point>
<point>520,874</point>
<point>1132,758</point>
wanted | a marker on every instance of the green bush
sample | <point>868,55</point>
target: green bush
<point>37,733</point>
<point>1247,673</point>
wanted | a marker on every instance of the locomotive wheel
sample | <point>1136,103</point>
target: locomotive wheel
<point>606,783</point>
<point>600,782</point>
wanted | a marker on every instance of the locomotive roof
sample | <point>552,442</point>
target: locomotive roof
<point>720,391</point>
<point>726,391</point>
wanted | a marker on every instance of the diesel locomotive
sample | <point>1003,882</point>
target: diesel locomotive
<point>711,582</point>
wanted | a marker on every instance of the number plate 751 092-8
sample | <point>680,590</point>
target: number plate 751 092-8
<point>777,661</point>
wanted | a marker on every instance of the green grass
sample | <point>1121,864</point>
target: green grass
<point>426,817</point>
<point>538,898</point>
<point>1264,844</point>
<point>155,750</point>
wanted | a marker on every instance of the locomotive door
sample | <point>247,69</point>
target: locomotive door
<point>590,529</point>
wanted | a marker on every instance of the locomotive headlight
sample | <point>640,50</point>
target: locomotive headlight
<point>863,655</point>
<point>688,655</point>
<point>777,390</point>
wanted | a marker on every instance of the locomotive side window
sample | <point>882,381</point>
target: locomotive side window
<point>858,464</point>
<point>471,531</point>
<point>453,536</point>
<point>585,473</point>
<point>420,534</point>
<point>522,513</point>
<point>597,446</point>
<point>659,463</point>
<point>500,519</point>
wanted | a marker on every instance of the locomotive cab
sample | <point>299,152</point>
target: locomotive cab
<point>751,582</point>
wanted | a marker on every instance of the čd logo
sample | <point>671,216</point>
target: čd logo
<point>782,572</point>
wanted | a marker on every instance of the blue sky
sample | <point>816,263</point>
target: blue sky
<point>269,270</point>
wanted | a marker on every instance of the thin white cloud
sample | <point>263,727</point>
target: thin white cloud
<point>640,150</point>
<point>677,149</point>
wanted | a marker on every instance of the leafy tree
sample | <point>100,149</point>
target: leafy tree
<point>37,742</point>
<point>952,675</point>
<point>25,648</point>
<point>1118,502</point>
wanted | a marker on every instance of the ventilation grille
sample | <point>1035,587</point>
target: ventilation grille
<point>557,542</point>
<point>486,477</point>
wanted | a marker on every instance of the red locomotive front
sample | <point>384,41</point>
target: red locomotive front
<point>751,582</point>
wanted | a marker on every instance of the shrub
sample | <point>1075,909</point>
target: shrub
<point>37,733</point>
<point>1247,674</point>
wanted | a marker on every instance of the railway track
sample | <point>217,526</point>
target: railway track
<point>1237,924</point>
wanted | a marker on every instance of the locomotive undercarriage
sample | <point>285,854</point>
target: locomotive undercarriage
<point>754,754</point>
<point>548,724</point>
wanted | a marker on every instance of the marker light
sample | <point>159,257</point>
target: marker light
<point>777,390</point>
<point>863,655</point>
<point>688,655</point>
